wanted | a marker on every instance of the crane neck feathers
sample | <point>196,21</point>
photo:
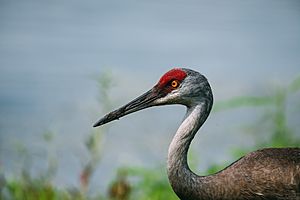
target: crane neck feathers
<point>181,177</point>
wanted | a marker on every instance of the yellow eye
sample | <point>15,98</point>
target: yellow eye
<point>174,84</point>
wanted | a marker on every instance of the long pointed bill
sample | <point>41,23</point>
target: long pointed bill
<point>144,101</point>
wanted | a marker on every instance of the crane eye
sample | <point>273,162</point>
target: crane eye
<point>175,84</point>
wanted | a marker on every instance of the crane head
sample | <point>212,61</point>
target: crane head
<point>177,86</point>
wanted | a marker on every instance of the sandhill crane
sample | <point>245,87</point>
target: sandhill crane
<point>272,173</point>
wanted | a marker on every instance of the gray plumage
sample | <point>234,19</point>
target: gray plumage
<point>272,173</point>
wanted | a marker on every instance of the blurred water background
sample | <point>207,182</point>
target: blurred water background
<point>51,53</point>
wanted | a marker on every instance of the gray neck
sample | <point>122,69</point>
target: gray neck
<point>184,182</point>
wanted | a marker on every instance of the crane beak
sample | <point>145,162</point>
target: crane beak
<point>146,100</point>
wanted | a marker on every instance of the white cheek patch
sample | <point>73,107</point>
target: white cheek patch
<point>170,98</point>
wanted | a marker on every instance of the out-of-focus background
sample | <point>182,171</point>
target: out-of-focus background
<point>64,64</point>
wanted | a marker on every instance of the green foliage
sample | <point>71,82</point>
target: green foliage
<point>242,101</point>
<point>294,86</point>
<point>149,184</point>
<point>27,188</point>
